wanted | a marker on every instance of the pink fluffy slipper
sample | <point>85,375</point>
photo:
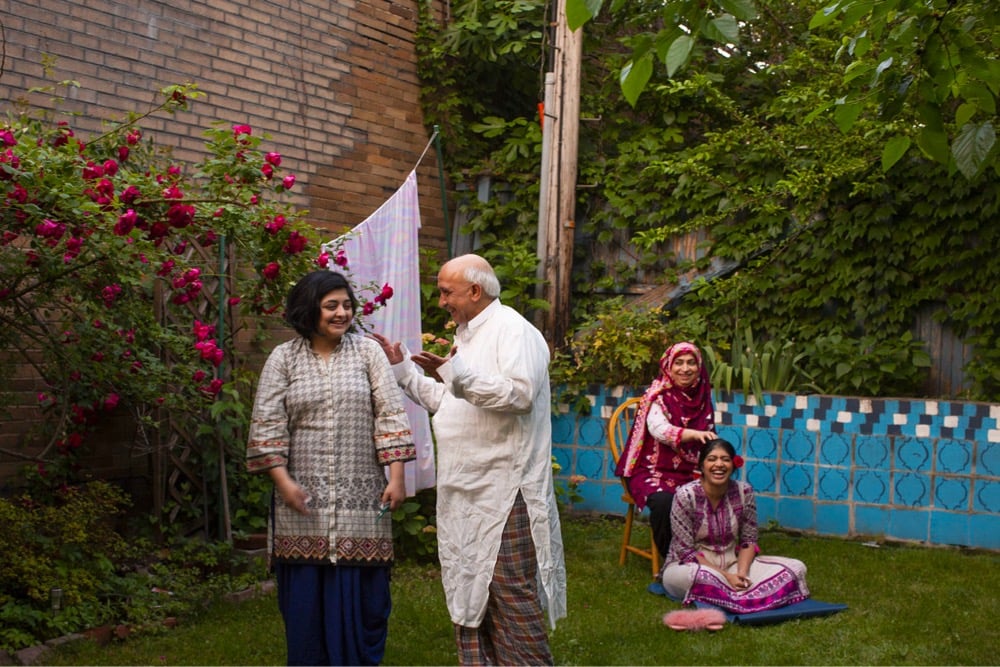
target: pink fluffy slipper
<point>695,619</point>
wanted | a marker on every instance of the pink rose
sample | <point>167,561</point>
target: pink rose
<point>271,271</point>
<point>295,244</point>
<point>126,222</point>
<point>180,215</point>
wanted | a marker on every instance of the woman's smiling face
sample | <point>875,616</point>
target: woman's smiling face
<point>335,315</point>
<point>684,370</point>
<point>718,466</point>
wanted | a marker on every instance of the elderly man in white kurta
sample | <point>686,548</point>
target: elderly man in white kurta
<point>497,518</point>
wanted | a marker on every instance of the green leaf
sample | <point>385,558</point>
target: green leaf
<point>677,54</point>
<point>578,12</point>
<point>744,10</point>
<point>930,115</point>
<point>846,114</point>
<point>981,96</point>
<point>882,66</point>
<point>972,146</point>
<point>894,150</point>
<point>634,78</point>
<point>964,113</point>
<point>856,69</point>
<point>723,29</point>
<point>854,11</point>
<point>824,16</point>
<point>816,112</point>
<point>934,144</point>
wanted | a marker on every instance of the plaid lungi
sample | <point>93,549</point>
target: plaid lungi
<point>513,629</point>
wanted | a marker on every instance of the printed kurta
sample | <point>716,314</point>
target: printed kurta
<point>492,423</point>
<point>335,424</point>
<point>718,534</point>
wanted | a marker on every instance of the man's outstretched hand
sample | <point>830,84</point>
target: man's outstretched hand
<point>393,351</point>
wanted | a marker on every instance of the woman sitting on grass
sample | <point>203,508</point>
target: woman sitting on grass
<point>713,555</point>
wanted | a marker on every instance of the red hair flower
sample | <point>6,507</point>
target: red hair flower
<point>738,461</point>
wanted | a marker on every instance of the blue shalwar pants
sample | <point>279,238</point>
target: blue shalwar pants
<point>334,615</point>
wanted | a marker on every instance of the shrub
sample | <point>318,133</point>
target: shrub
<point>619,345</point>
<point>414,529</point>
<point>67,569</point>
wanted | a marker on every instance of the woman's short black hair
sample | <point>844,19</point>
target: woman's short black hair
<point>715,444</point>
<point>303,304</point>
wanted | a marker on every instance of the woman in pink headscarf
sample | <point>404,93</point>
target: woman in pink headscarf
<point>675,417</point>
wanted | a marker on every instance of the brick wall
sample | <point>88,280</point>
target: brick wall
<point>333,84</point>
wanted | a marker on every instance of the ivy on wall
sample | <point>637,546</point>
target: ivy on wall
<point>833,253</point>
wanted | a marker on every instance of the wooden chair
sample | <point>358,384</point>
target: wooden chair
<point>618,430</point>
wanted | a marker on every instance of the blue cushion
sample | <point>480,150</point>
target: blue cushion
<point>656,588</point>
<point>805,609</point>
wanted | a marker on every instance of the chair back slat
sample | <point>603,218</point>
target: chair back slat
<point>620,425</point>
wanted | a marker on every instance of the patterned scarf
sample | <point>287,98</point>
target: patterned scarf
<point>689,408</point>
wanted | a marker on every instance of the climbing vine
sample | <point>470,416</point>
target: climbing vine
<point>807,237</point>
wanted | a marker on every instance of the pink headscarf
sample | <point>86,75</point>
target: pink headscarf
<point>690,408</point>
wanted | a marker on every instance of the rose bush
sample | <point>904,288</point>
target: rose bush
<point>124,273</point>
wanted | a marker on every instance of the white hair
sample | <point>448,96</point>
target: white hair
<point>485,278</point>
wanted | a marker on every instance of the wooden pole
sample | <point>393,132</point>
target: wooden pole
<point>542,246</point>
<point>559,216</point>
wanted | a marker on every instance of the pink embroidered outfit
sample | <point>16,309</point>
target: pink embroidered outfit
<point>650,464</point>
<point>718,534</point>
<point>655,461</point>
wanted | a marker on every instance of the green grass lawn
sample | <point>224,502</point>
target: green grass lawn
<point>908,606</point>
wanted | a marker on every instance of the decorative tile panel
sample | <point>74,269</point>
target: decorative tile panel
<point>762,444</point>
<point>911,490</point>
<point>834,484</point>
<point>761,476</point>
<point>873,452</point>
<point>590,462</point>
<point>797,480</point>
<point>910,469</point>
<point>835,449</point>
<point>989,460</point>
<point>986,496</point>
<point>914,453</point>
<point>954,456</point>
<point>871,487</point>
<point>592,431</point>
<point>952,494</point>
<point>799,446</point>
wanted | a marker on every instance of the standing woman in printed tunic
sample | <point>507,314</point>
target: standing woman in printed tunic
<point>328,420</point>
<point>675,416</point>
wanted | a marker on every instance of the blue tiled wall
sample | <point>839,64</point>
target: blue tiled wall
<point>922,470</point>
